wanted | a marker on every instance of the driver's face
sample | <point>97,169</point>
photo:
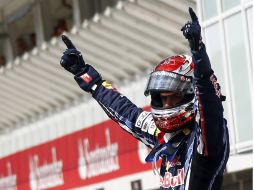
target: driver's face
<point>171,99</point>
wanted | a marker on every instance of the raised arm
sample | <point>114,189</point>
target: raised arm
<point>209,160</point>
<point>207,89</point>
<point>119,108</point>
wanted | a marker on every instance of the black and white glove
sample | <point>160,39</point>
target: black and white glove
<point>85,75</point>
<point>192,31</point>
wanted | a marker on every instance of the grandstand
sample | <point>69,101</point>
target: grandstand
<point>50,129</point>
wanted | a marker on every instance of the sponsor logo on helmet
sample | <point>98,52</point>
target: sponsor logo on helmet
<point>183,78</point>
<point>166,61</point>
<point>161,73</point>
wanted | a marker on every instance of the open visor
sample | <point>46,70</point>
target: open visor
<point>161,81</point>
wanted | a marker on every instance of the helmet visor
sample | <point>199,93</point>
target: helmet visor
<point>163,81</point>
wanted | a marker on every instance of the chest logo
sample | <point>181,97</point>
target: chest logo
<point>172,181</point>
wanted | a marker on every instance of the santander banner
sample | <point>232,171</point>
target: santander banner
<point>92,155</point>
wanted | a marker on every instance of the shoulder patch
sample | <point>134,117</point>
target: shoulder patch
<point>152,127</point>
<point>146,123</point>
<point>107,85</point>
<point>141,118</point>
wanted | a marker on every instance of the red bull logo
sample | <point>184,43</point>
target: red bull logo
<point>172,181</point>
<point>175,162</point>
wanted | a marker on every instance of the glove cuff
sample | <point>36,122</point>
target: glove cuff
<point>88,78</point>
<point>202,67</point>
<point>196,46</point>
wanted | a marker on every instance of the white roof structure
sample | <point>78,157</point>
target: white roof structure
<point>123,42</point>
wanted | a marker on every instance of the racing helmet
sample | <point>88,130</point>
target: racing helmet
<point>172,80</point>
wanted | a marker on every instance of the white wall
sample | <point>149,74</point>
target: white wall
<point>74,118</point>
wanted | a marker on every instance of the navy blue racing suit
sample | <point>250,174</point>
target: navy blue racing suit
<point>199,152</point>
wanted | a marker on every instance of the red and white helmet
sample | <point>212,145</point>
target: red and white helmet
<point>174,74</point>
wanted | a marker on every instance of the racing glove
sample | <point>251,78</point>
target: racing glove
<point>85,75</point>
<point>192,31</point>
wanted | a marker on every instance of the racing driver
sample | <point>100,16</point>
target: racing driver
<point>185,127</point>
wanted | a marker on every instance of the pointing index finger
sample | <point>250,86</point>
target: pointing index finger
<point>193,15</point>
<point>68,42</point>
